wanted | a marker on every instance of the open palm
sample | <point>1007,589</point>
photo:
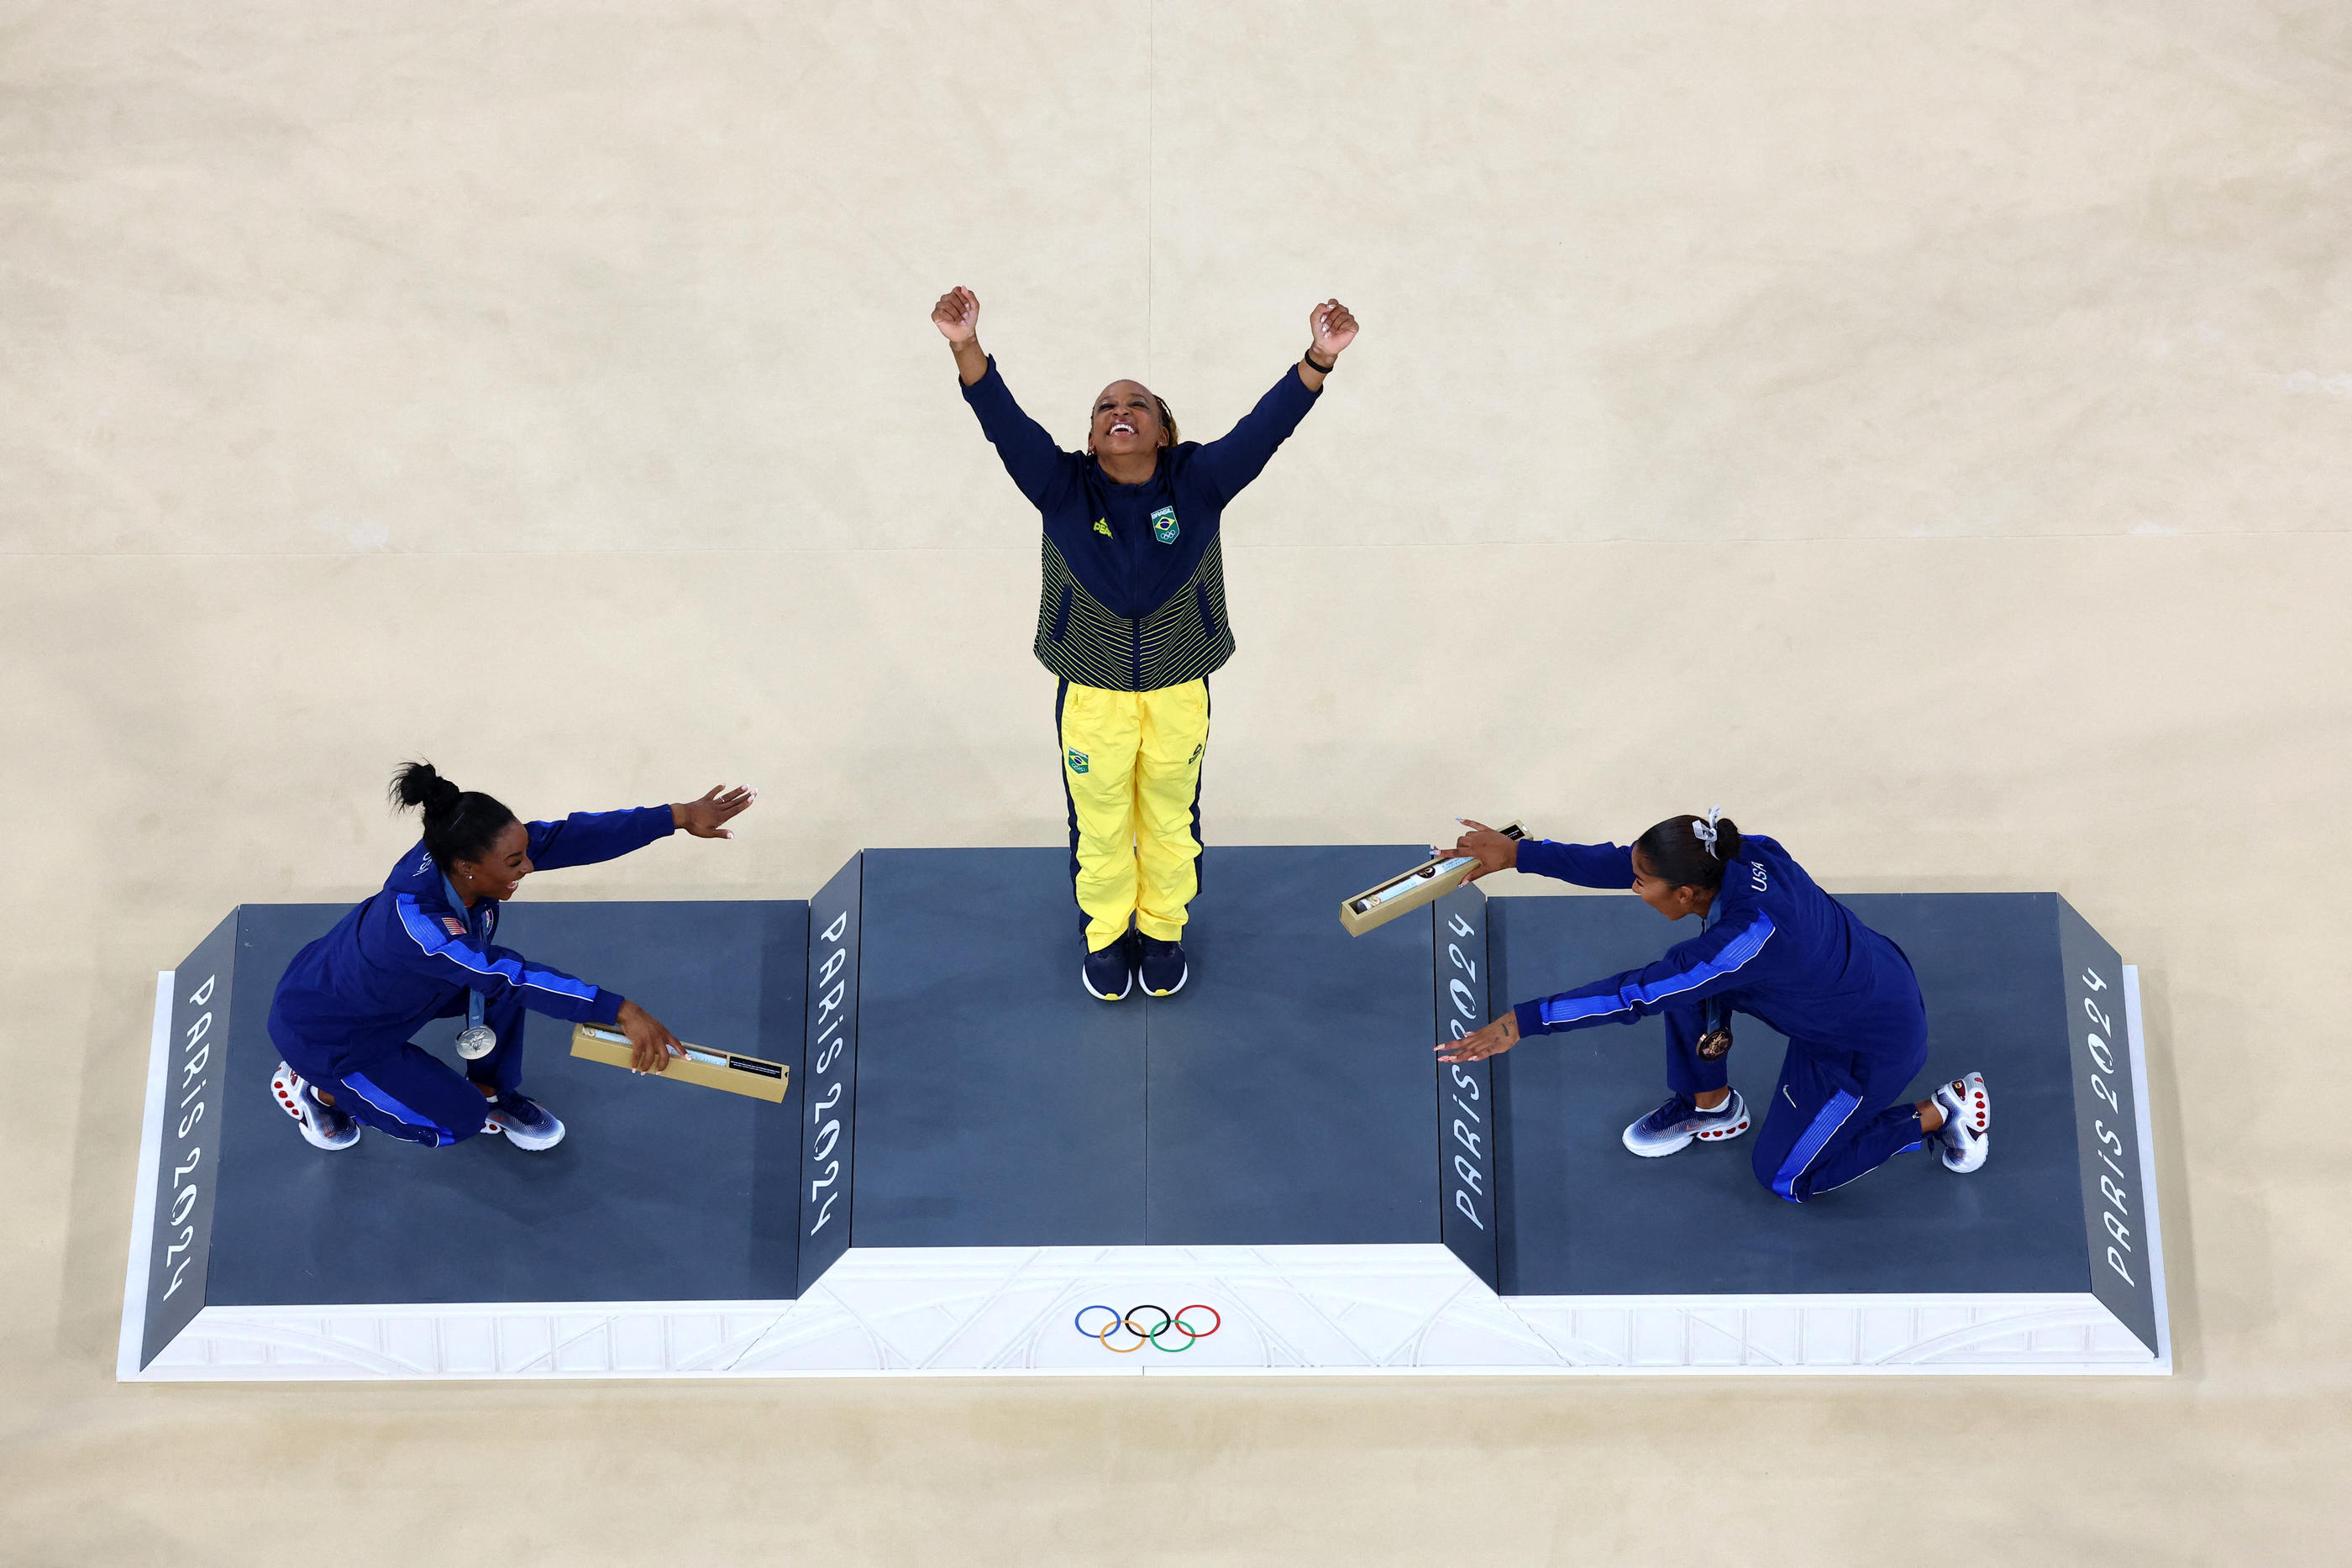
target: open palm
<point>707,817</point>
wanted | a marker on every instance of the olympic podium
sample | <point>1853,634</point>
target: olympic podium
<point>971,1152</point>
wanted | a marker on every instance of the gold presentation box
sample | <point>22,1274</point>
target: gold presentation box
<point>711,1068</point>
<point>1425,883</point>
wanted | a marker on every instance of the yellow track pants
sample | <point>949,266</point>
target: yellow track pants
<point>1131,774</point>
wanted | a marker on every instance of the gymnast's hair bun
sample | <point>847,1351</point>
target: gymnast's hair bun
<point>1691,852</point>
<point>460,825</point>
<point>420,784</point>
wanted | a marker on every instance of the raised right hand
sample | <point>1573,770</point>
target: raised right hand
<point>1494,851</point>
<point>956,315</point>
<point>652,1046</point>
<point>1334,328</point>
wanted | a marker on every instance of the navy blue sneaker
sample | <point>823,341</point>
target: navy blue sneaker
<point>1163,968</point>
<point>1675,1123</point>
<point>1109,973</point>
<point>527,1123</point>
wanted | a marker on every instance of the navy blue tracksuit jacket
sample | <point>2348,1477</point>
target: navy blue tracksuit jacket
<point>348,1004</point>
<point>1132,598</point>
<point>1777,947</point>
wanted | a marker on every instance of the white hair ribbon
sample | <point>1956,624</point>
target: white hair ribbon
<point>1705,832</point>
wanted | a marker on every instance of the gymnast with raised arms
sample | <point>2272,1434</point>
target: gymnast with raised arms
<point>421,949</point>
<point>1777,947</point>
<point>1131,617</point>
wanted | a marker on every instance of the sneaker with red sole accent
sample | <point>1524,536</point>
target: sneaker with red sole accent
<point>527,1123</point>
<point>1967,1131</point>
<point>323,1125</point>
<point>1675,1124</point>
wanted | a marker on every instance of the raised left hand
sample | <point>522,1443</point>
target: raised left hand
<point>707,817</point>
<point>1333,326</point>
<point>1493,1040</point>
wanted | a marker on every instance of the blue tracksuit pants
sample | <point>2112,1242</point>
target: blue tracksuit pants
<point>412,1094</point>
<point>1836,1113</point>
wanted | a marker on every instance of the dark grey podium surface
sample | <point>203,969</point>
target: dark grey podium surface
<point>1583,1216</point>
<point>655,1184</point>
<point>954,1089</point>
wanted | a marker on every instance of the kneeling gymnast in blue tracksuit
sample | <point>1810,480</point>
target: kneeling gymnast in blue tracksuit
<point>1777,947</point>
<point>421,949</point>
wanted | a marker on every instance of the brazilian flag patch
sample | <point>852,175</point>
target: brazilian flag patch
<point>1164,525</point>
<point>1077,760</point>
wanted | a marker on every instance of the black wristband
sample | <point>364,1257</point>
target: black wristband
<point>1319,370</point>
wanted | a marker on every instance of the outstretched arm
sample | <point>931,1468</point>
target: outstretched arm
<point>1042,470</point>
<point>1586,865</point>
<point>1238,456</point>
<point>435,949</point>
<point>957,316</point>
<point>435,944</point>
<point>588,838</point>
<point>1691,972</point>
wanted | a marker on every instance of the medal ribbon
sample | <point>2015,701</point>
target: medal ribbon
<point>474,1001</point>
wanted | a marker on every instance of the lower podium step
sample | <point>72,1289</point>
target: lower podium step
<point>1111,1311</point>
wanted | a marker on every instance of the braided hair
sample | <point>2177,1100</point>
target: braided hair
<point>1168,436</point>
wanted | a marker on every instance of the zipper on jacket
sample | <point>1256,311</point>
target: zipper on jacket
<point>1208,620</point>
<point>1134,655</point>
<point>1062,616</point>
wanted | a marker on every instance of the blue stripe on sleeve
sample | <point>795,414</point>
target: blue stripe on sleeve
<point>1729,959</point>
<point>438,944</point>
<point>1557,1010</point>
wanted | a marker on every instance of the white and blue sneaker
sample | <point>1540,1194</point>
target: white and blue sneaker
<point>1966,1133</point>
<point>1109,973</point>
<point>1163,968</point>
<point>323,1125</point>
<point>1673,1125</point>
<point>527,1123</point>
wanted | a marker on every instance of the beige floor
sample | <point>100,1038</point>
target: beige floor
<point>1922,429</point>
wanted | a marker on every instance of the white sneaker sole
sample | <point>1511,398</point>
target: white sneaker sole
<point>1174,989</point>
<point>529,1142</point>
<point>1097,995</point>
<point>1737,1126</point>
<point>287,1087</point>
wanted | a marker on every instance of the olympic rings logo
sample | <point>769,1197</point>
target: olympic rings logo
<point>1170,1322</point>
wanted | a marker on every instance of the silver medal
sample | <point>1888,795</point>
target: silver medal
<point>476,1041</point>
